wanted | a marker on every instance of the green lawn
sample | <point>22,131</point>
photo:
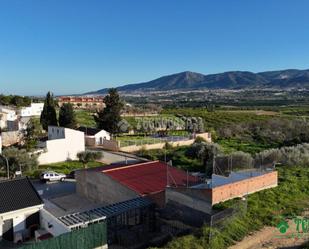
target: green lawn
<point>85,118</point>
<point>136,139</point>
<point>63,167</point>
<point>230,145</point>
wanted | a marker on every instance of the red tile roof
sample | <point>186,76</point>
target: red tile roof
<point>149,177</point>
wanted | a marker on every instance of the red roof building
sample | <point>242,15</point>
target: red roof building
<point>122,182</point>
<point>150,177</point>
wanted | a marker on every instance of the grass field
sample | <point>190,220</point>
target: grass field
<point>230,145</point>
<point>85,118</point>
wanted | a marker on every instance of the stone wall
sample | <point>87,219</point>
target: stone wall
<point>11,137</point>
<point>133,148</point>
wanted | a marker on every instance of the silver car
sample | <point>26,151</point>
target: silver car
<point>51,176</point>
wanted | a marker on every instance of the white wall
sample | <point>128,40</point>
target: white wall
<point>11,114</point>
<point>100,136</point>
<point>34,109</point>
<point>63,144</point>
<point>19,217</point>
<point>51,224</point>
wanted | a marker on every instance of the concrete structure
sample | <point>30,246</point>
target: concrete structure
<point>83,102</point>
<point>94,137</point>
<point>221,188</point>
<point>239,184</point>
<point>51,224</point>
<point>62,144</point>
<point>34,110</point>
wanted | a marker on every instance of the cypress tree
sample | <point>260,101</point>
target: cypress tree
<point>67,116</point>
<point>48,115</point>
<point>109,118</point>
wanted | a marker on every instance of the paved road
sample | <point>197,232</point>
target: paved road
<point>54,189</point>
<point>117,157</point>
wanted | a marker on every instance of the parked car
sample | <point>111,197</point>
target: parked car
<point>71,175</point>
<point>52,176</point>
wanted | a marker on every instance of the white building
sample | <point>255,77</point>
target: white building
<point>62,144</point>
<point>35,109</point>
<point>7,115</point>
<point>20,207</point>
<point>95,136</point>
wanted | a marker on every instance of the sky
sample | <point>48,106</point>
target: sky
<point>76,46</point>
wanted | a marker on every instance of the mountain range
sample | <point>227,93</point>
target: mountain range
<point>290,78</point>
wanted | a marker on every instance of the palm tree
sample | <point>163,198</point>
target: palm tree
<point>88,156</point>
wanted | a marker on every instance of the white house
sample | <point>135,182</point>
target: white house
<point>20,207</point>
<point>62,144</point>
<point>95,136</point>
<point>34,109</point>
<point>7,116</point>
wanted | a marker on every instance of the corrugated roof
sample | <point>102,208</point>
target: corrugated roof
<point>98,214</point>
<point>149,177</point>
<point>17,194</point>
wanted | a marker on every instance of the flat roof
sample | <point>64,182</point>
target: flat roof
<point>220,180</point>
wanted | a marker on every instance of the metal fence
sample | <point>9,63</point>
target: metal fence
<point>152,140</point>
<point>86,238</point>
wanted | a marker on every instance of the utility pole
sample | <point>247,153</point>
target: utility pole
<point>213,164</point>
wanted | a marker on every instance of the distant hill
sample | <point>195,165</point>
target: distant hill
<point>289,78</point>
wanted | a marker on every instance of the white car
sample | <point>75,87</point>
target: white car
<point>51,176</point>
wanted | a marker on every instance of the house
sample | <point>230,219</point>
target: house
<point>94,136</point>
<point>118,183</point>
<point>8,117</point>
<point>34,110</point>
<point>83,102</point>
<point>20,206</point>
<point>62,144</point>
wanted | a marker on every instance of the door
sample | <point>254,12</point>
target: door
<point>33,223</point>
<point>7,230</point>
<point>101,140</point>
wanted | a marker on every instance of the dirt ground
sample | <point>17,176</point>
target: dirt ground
<point>267,238</point>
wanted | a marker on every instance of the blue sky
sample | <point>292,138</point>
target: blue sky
<point>74,46</point>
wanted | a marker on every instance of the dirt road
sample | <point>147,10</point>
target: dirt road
<point>271,238</point>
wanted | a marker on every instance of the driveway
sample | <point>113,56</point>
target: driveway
<point>110,157</point>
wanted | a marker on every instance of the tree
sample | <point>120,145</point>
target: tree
<point>109,118</point>
<point>206,152</point>
<point>48,115</point>
<point>32,134</point>
<point>67,116</point>
<point>19,159</point>
<point>88,156</point>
